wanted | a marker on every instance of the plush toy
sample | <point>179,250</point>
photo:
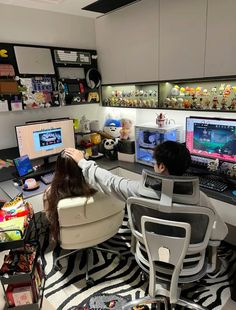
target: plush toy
<point>126,129</point>
<point>110,151</point>
<point>112,127</point>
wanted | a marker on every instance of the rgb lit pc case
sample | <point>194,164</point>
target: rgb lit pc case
<point>148,136</point>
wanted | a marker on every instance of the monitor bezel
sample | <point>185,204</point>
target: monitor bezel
<point>210,118</point>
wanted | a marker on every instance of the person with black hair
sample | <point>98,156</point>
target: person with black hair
<point>171,158</point>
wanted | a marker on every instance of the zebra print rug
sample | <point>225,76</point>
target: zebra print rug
<point>67,290</point>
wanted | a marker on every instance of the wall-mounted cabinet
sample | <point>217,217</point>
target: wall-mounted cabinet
<point>182,38</point>
<point>127,45</point>
<point>199,95</point>
<point>221,43</point>
<point>140,95</point>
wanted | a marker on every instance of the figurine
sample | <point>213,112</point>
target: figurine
<point>227,90</point>
<point>223,104</point>
<point>233,105</point>
<point>194,102</point>
<point>186,104</point>
<point>207,104</point>
<point>161,120</point>
<point>126,129</point>
<point>215,103</point>
<point>213,165</point>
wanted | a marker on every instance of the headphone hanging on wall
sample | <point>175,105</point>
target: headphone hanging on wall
<point>93,78</point>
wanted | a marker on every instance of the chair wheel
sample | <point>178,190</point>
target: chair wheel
<point>90,282</point>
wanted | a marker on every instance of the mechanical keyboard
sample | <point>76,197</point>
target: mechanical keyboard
<point>47,178</point>
<point>210,182</point>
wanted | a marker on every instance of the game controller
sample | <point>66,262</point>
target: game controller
<point>93,96</point>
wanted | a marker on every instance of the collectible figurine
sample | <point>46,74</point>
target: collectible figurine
<point>223,104</point>
<point>215,103</point>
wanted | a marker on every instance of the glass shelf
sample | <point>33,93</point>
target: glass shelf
<point>138,95</point>
<point>201,95</point>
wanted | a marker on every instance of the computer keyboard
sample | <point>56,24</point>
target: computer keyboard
<point>47,178</point>
<point>212,184</point>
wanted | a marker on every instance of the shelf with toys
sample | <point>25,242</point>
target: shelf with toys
<point>21,273</point>
<point>136,95</point>
<point>212,94</point>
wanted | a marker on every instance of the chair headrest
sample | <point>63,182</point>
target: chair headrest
<point>169,189</point>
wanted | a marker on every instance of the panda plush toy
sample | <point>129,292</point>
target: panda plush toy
<point>110,151</point>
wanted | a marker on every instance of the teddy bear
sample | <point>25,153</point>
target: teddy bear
<point>125,131</point>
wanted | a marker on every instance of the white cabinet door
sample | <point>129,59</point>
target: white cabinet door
<point>182,38</point>
<point>221,38</point>
<point>127,43</point>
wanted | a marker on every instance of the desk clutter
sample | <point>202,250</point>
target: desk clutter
<point>21,273</point>
<point>113,141</point>
<point>15,217</point>
<point>33,77</point>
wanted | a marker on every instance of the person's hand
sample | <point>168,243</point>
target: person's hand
<point>75,154</point>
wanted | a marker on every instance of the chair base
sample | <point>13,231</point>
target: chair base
<point>90,282</point>
<point>149,300</point>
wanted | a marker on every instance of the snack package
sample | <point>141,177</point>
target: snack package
<point>17,223</point>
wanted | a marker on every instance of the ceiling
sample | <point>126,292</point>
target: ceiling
<point>73,7</point>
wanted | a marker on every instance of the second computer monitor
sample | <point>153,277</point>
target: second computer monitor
<point>212,138</point>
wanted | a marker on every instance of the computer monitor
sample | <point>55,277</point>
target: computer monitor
<point>44,139</point>
<point>212,138</point>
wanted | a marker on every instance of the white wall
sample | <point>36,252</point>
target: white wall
<point>29,26</point>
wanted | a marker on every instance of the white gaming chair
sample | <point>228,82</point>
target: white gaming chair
<point>172,234</point>
<point>87,222</point>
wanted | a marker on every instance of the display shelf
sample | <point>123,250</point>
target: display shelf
<point>136,95</point>
<point>212,94</point>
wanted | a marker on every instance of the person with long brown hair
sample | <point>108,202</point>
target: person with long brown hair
<point>68,182</point>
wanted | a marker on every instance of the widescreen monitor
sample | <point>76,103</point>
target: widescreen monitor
<point>43,139</point>
<point>212,138</point>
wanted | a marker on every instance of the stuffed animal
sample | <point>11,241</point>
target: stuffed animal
<point>126,129</point>
<point>110,151</point>
<point>112,127</point>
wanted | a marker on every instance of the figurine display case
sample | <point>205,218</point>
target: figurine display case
<point>201,95</point>
<point>138,95</point>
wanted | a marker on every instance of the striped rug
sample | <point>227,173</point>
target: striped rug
<point>67,290</point>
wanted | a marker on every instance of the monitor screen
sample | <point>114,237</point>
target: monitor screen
<point>43,139</point>
<point>211,138</point>
<point>23,165</point>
